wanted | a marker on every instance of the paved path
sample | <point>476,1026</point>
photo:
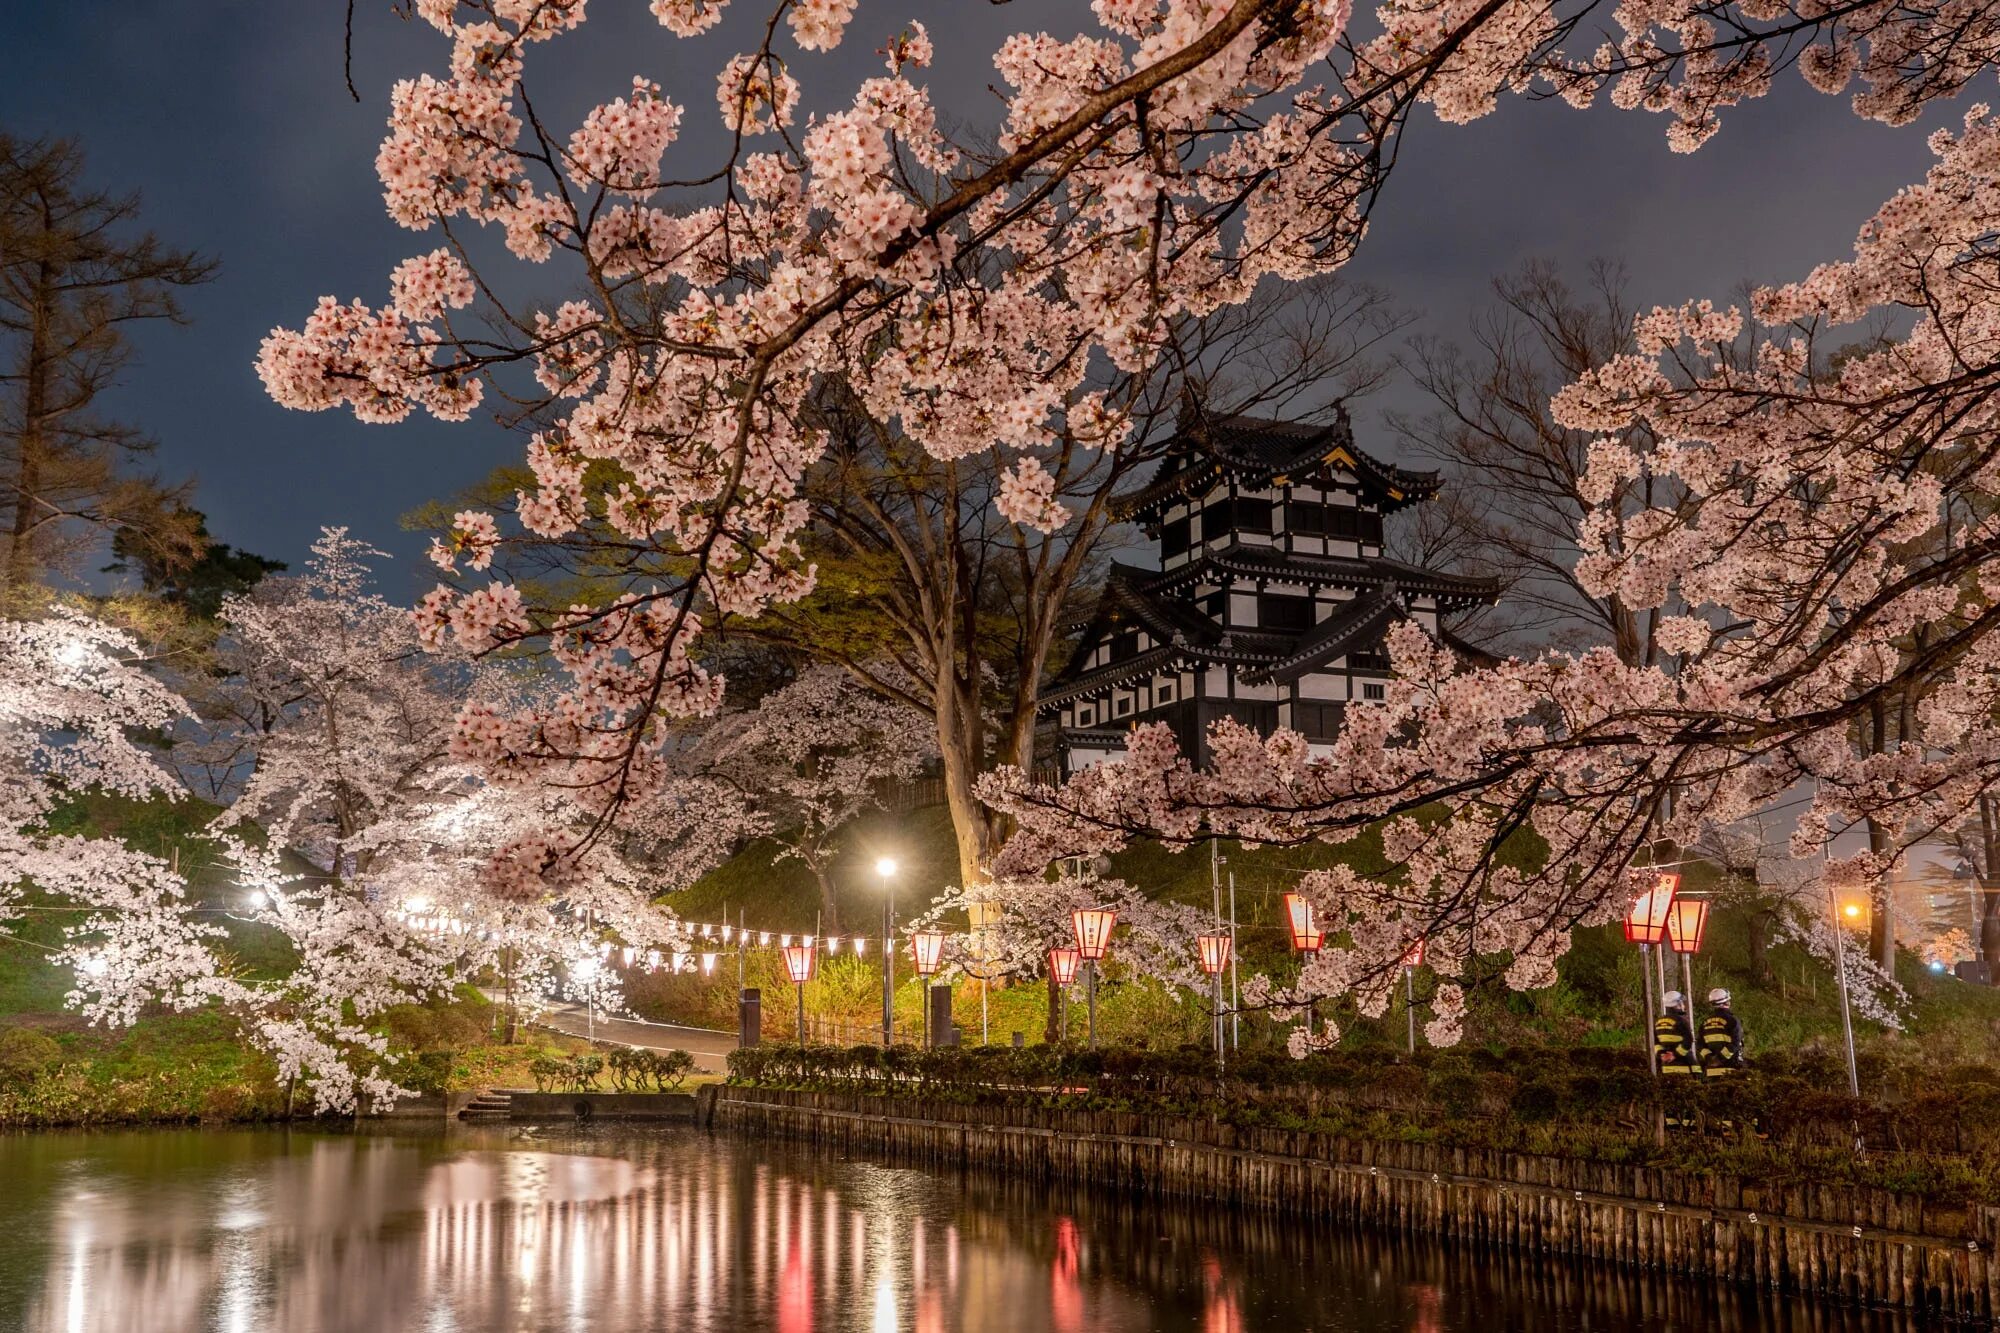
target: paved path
<point>710,1048</point>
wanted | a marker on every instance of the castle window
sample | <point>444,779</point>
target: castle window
<point>1277,611</point>
<point>1253,515</point>
<point>1124,706</point>
<point>1174,537</point>
<point>1372,690</point>
<point>1316,721</point>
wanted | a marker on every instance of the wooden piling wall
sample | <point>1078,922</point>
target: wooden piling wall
<point>1841,1242</point>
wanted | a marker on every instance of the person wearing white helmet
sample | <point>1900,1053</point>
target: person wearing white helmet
<point>1673,1036</point>
<point>1721,1045</point>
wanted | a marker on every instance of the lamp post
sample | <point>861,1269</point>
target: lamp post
<point>1214,957</point>
<point>1646,926</point>
<point>885,870</point>
<point>801,963</point>
<point>1306,939</point>
<point>1413,958</point>
<point>585,971</point>
<point>1063,963</point>
<point>1093,940</point>
<point>1687,922</point>
<point>980,915</point>
<point>926,951</point>
<point>1852,912</point>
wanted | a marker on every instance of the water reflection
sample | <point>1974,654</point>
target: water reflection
<point>491,1230</point>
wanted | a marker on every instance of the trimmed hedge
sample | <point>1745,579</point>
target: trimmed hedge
<point>1931,1130</point>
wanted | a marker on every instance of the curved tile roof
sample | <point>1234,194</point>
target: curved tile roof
<point>1257,451</point>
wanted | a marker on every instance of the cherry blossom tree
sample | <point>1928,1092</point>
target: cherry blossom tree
<point>1829,531</point>
<point>802,764</point>
<point>1157,168</point>
<point>349,730</point>
<point>1029,917</point>
<point>73,694</point>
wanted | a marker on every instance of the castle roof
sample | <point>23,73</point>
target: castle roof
<point>1157,602</point>
<point>1258,452</point>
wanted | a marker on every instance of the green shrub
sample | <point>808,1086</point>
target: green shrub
<point>24,1055</point>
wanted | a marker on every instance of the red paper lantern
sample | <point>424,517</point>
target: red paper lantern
<point>1306,937</point>
<point>1214,952</point>
<point>1646,923</point>
<point>801,962</point>
<point>1093,930</point>
<point>1063,964</point>
<point>1414,955</point>
<point>927,947</point>
<point>1686,924</point>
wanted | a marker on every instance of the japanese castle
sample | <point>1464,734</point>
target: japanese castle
<point>1271,599</point>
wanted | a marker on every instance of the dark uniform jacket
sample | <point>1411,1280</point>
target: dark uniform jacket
<point>1721,1042</point>
<point>1673,1043</point>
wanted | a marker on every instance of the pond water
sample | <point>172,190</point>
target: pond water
<point>514,1230</point>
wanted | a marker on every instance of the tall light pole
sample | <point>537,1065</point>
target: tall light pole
<point>980,916</point>
<point>1853,912</point>
<point>1413,958</point>
<point>885,870</point>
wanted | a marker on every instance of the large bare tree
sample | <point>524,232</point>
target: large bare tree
<point>1517,496</point>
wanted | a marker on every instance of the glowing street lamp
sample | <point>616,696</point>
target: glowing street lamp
<point>1093,940</point>
<point>1646,922</point>
<point>1214,949</point>
<point>927,952</point>
<point>1646,926</point>
<point>1687,922</point>
<point>1092,926</point>
<point>801,965</point>
<point>1306,937</point>
<point>982,915</point>
<point>1214,953</point>
<point>885,870</point>
<point>1063,963</point>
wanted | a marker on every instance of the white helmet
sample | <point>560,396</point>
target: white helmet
<point>1673,999</point>
<point>1718,996</point>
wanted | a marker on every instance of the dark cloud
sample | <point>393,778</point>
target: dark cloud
<point>235,123</point>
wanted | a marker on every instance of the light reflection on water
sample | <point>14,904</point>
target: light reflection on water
<point>521,1231</point>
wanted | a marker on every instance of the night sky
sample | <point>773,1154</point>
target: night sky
<point>233,121</point>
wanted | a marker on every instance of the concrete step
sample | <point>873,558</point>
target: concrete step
<point>488,1105</point>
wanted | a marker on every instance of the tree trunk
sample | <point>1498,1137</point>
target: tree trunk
<point>1052,1029</point>
<point>1881,907</point>
<point>1881,898</point>
<point>27,480</point>
<point>1758,926</point>
<point>829,911</point>
<point>961,755</point>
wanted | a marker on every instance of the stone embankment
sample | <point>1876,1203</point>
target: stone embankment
<point>1834,1241</point>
